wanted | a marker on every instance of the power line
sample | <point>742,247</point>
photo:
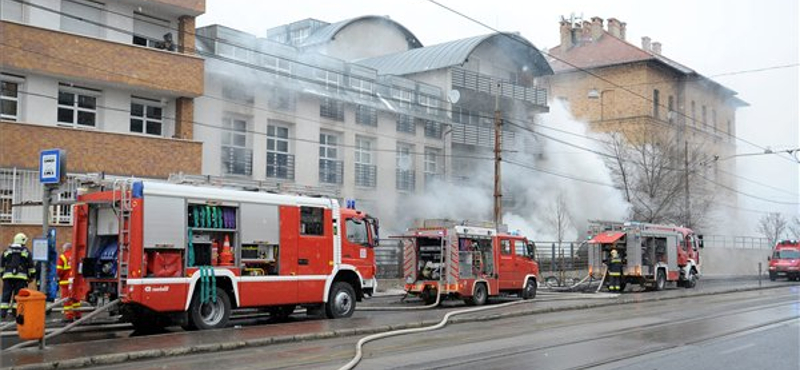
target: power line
<point>612,83</point>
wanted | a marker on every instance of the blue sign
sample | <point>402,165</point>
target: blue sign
<point>51,166</point>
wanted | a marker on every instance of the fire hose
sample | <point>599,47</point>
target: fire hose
<point>432,305</point>
<point>46,310</point>
<point>63,330</point>
<point>359,346</point>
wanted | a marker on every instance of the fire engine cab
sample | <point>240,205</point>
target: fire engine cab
<point>188,255</point>
<point>470,261</point>
<point>651,254</point>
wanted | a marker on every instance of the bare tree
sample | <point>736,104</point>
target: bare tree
<point>772,226</point>
<point>794,228</point>
<point>559,218</point>
<point>648,166</point>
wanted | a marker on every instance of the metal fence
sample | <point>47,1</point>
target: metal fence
<point>389,258</point>
<point>21,197</point>
<point>739,242</point>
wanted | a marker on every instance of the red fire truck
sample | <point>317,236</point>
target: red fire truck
<point>652,255</point>
<point>785,260</point>
<point>188,255</point>
<point>470,261</point>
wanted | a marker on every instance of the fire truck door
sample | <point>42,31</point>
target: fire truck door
<point>508,270</point>
<point>356,248</point>
<point>314,252</point>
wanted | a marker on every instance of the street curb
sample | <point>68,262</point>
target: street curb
<point>116,358</point>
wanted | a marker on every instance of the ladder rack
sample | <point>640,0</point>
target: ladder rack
<point>256,185</point>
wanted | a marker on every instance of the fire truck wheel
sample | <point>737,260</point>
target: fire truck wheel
<point>429,296</point>
<point>530,290</point>
<point>341,301</point>
<point>479,297</point>
<point>692,282</point>
<point>661,280</point>
<point>210,315</point>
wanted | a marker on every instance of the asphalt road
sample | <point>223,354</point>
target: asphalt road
<point>744,330</point>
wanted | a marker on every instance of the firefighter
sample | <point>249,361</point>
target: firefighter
<point>614,271</point>
<point>64,279</point>
<point>16,268</point>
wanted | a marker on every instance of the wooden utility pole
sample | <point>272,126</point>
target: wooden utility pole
<point>498,144</point>
<point>686,202</point>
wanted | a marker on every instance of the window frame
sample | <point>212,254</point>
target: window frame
<point>145,118</point>
<point>281,158</point>
<point>8,98</point>
<point>318,213</point>
<point>228,138</point>
<point>75,107</point>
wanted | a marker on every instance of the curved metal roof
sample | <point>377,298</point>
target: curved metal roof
<point>449,54</point>
<point>329,32</point>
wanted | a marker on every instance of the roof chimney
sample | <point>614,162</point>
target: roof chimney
<point>566,35</point>
<point>597,28</point>
<point>646,43</point>
<point>586,32</point>
<point>656,48</point>
<point>614,26</point>
<point>622,28</point>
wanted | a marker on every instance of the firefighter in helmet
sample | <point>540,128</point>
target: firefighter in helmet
<point>64,279</point>
<point>614,272</point>
<point>16,269</point>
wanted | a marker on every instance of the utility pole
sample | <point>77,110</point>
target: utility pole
<point>498,143</point>
<point>687,202</point>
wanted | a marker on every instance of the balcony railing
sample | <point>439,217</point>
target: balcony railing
<point>18,186</point>
<point>486,84</point>
<point>280,166</point>
<point>237,161</point>
<point>433,129</point>
<point>330,108</point>
<point>331,171</point>
<point>366,175</point>
<point>405,179</point>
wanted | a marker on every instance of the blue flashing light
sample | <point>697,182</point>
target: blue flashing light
<point>137,191</point>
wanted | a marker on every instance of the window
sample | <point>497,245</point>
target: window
<point>670,109</point>
<point>505,247</point>
<point>150,31</point>
<point>405,123</point>
<point>362,86</point>
<point>656,103</point>
<point>146,117</point>
<point>430,102</point>
<point>365,171</point>
<point>282,99</point>
<point>279,66</point>
<point>366,116</point>
<point>404,161</point>
<point>76,109</point>
<point>10,10</point>
<point>433,129</point>
<point>297,36</point>
<point>357,231</point>
<point>237,158</point>
<point>330,168</point>
<point>331,108</point>
<point>330,80</point>
<point>402,96</point>
<point>9,100</point>
<point>431,164</point>
<point>312,221</point>
<point>280,164</point>
<point>238,93</point>
<point>519,247</point>
<point>84,17</point>
<point>714,119</point>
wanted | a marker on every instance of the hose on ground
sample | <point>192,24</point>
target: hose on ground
<point>46,310</point>
<point>433,305</point>
<point>63,330</point>
<point>603,279</point>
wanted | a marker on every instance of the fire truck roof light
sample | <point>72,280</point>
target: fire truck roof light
<point>137,191</point>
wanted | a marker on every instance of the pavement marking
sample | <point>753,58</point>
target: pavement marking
<point>736,349</point>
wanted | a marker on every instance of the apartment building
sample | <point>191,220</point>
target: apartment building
<point>358,108</point>
<point>111,82</point>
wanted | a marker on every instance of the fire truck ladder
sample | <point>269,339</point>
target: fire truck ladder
<point>122,207</point>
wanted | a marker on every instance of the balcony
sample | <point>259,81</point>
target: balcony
<point>65,55</point>
<point>187,7</point>
<point>98,151</point>
<point>366,175</point>
<point>405,180</point>
<point>474,81</point>
<point>280,166</point>
<point>331,171</point>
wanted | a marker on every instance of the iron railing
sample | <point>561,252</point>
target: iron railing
<point>280,166</point>
<point>237,161</point>
<point>331,108</point>
<point>331,171</point>
<point>405,123</point>
<point>405,179</point>
<point>463,78</point>
<point>21,197</point>
<point>433,129</point>
<point>367,116</point>
<point>366,175</point>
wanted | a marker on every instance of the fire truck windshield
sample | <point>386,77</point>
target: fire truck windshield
<point>787,254</point>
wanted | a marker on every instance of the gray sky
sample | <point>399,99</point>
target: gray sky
<point>711,36</point>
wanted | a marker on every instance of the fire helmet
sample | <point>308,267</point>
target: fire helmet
<point>613,253</point>
<point>20,239</point>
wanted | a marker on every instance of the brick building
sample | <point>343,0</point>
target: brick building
<point>629,88</point>
<point>102,81</point>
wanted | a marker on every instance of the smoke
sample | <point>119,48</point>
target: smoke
<point>530,196</point>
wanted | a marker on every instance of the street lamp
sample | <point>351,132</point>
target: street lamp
<point>595,94</point>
